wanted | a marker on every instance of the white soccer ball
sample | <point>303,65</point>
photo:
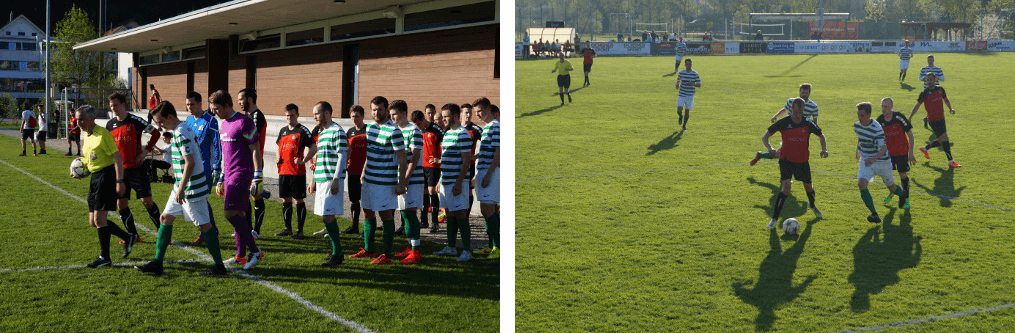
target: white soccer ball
<point>77,168</point>
<point>790,226</point>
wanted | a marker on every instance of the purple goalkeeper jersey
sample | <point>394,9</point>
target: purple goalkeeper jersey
<point>237,133</point>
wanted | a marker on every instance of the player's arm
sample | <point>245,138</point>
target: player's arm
<point>216,148</point>
<point>779,114</point>
<point>463,170</point>
<point>824,146</point>
<point>416,152</point>
<point>764,140</point>
<point>493,167</point>
<point>188,170</point>
<point>915,108</point>
<point>403,179</point>
<point>947,102</point>
<point>912,145</point>
<point>156,134</point>
<point>118,166</point>
<point>255,148</point>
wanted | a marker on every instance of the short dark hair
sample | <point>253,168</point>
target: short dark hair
<point>292,107</point>
<point>194,96</point>
<point>417,115</point>
<point>221,97</point>
<point>805,86</point>
<point>117,96</point>
<point>932,74</point>
<point>325,106</point>
<point>151,86</point>
<point>482,102</point>
<point>380,101</point>
<point>687,60</point>
<point>399,106</point>
<point>494,109</point>
<point>164,110</point>
<point>430,106</point>
<point>249,93</point>
<point>864,106</point>
<point>798,102</point>
<point>455,110</point>
<point>357,109</point>
<point>466,106</point>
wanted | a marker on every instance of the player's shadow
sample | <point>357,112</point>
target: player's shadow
<point>932,138</point>
<point>539,112</point>
<point>569,91</point>
<point>670,74</point>
<point>791,69</point>
<point>906,86</point>
<point>877,261</point>
<point>944,186</point>
<point>775,279</point>
<point>791,207</point>
<point>668,143</point>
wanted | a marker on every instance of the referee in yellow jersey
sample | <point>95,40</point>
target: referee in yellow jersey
<point>563,69</point>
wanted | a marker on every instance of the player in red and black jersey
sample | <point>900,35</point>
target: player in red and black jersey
<point>292,175</point>
<point>588,54</point>
<point>794,155</point>
<point>127,130</point>
<point>432,137</point>
<point>74,135</point>
<point>357,136</point>
<point>475,132</point>
<point>899,139</point>
<point>247,99</point>
<point>932,98</point>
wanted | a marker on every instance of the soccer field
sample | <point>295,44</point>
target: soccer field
<point>44,287</point>
<point>626,223</point>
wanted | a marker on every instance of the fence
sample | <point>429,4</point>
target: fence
<point>793,47</point>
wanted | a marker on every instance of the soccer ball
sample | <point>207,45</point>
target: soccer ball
<point>790,226</point>
<point>77,168</point>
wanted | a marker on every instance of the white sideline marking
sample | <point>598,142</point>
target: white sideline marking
<point>125,264</point>
<point>931,318</point>
<point>207,258</point>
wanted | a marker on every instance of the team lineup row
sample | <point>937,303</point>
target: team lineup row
<point>231,158</point>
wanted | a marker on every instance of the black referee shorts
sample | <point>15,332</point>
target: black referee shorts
<point>137,179</point>
<point>564,81</point>
<point>588,68</point>
<point>102,190</point>
<point>800,171</point>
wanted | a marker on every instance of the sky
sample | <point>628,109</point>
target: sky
<point>118,11</point>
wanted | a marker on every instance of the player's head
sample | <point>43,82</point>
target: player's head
<point>418,119</point>
<point>930,60</point>
<point>485,114</point>
<point>399,112</point>
<point>495,111</point>
<point>481,103</point>
<point>430,111</point>
<point>322,113</point>
<point>247,99</point>
<point>379,109</point>
<point>451,113</point>
<point>561,56</point>
<point>86,117</point>
<point>117,103</point>
<point>805,90</point>
<point>797,108</point>
<point>151,87</point>
<point>687,63</point>
<point>165,116</point>
<point>221,104</point>
<point>886,106</point>
<point>931,79</point>
<point>466,113</point>
<point>907,43</point>
<point>356,112</point>
<point>292,114</point>
<point>194,104</point>
<point>863,112</point>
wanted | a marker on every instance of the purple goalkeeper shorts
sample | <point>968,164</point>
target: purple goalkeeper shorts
<point>237,196</point>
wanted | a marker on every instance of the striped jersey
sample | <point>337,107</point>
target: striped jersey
<point>681,48</point>
<point>687,81</point>
<point>382,143</point>
<point>414,140</point>
<point>456,142</point>
<point>184,143</point>
<point>871,139</point>
<point>810,109</point>
<point>905,53</point>
<point>488,145</point>
<point>331,144</point>
<point>931,69</point>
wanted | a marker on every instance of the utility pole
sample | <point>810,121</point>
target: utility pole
<point>48,39</point>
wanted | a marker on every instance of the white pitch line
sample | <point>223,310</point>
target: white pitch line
<point>931,318</point>
<point>205,257</point>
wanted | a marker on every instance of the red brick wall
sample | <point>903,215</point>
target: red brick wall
<point>302,76</point>
<point>201,79</point>
<point>171,82</point>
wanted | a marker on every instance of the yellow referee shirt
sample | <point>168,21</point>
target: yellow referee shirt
<point>563,68</point>
<point>98,149</point>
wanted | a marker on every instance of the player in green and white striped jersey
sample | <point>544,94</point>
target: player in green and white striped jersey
<point>329,172</point>
<point>930,68</point>
<point>382,183</point>
<point>905,53</point>
<point>412,200</point>
<point>190,193</point>
<point>488,174</point>
<point>456,151</point>
<point>872,152</point>
<point>686,82</point>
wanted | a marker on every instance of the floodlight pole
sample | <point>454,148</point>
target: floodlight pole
<point>46,91</point>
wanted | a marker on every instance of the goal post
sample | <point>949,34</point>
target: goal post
<point>652,27</point>
<point>778,29</point>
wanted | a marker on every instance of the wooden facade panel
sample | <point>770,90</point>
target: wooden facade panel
<point>171,82</point>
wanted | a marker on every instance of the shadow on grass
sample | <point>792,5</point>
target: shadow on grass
<point>944,186</point>
<point>906,86</point>
<point>791,69</point>
<point>877,262</point>
<point>791,207</point>
<point>569,91</point>
<point>668,143</point>
<point>539,112</point>
<point>775,279</point>
<point>670,74</point>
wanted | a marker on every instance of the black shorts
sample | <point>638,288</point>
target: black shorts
<point>74,137</point>
<point>354,186</point>
<point>564,81</point>
<point>900,163</point>
<point>28,134</point>
<point>800,171</point>
<point>431,176</point>
<point>938,127</point>
<point>294,186</point>
<point>472,174</point>
<point>137,179</point>
<point>102,190</point>
<point>588,68</point>
<point>42,136</point>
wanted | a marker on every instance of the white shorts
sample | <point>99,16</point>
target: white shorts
<point>491,193</point>
<point>882,169</point>
<point>678,62</point>
<point>451,202</point>
<point>413,197</point>
<point>325,203</point>
<point>378,198</point>
<point>903,64</point>
<point>686,102</point>
<point>195,211</point>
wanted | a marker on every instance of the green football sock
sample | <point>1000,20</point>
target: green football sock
<point>389,236</point>
<point>211,239</point>
<point>466,234</point>
<point>867,200</point>
<point>765,155</point>
<point>369,229</point>
<point>493,229</point>
<point>162,243</point>
<point>333,235</point>
<point>452,230</point>
<point>412,227</point>
<point>899,192</point>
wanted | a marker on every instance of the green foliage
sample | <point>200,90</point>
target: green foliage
<point>82,68</point>
<point>8,106</point>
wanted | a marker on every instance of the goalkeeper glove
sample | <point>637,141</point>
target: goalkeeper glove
<point>257,186</point>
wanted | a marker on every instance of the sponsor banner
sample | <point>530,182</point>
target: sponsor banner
<point>611,48</point>
<point>717,48</point>
<point>1000,45</point>
<point>935,46</point>
<point>732,48</point>
<point>836,30</point>
<point>752,47</point>
<point>976,45</point>
<point>833,47</point>
<point>886,47</point>
<point>698,48</point>
<point>518,50</point>
<point>665,48</point>
<point>780,47</point>
<point>864,47</point>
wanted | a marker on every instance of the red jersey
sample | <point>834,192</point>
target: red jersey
<point>895,134</point>
<point>475,132</point>
<point>74,129</point>
<point>291,142</point>
<point>933,101</point>
<point>154,100</point>
<point>588,54</point>
<point>127,134</point>
<point>795,138</point>
<point>260,126</point>
<point>357,149</point>
<point>432,137</point>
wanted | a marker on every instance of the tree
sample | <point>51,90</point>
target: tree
<point>8,106</point>
<point>75,67</point>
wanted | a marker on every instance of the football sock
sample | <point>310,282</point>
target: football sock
<point>287,215</point>
<point>116,231</point>
<point>258,214</point>
<point>765,155</point>
<point>561,98</point>
<point>779,201</point>
<point>493,229</point>
<point>687,117</point>
<point>899,192</point>
<point>452,230</point>
<point>471,198</point>
<point>250,217</point>
<point>104,241</point>
<point>239,224</point>
<point>426,209</point>
<point>301,215</point>
<point>333,235</point>
<point>128,220</point>
<point>948,150</point>
<point>162,243</point>
<point>369,229</point>
<point>211,239</point>
<point>810,198</point>
<point>435,207</point>
<point>389,235</point>
<point>932,145</point>
<point>466,233</point>
<point>412,227</point>
<point>153,214</point>
<point>905,186</point>
<point>355,213</point>
<point>867,200</point>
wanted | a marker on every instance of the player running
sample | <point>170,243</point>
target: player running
<point>687,80</point>
<point>432,137</point>
<point>331,154</point>
<point>932,99</point>
<point>410,202</point>
<point>487,177</point>
<point>897,128</point>
<point>206,130</point>
<point>905,53</point>
<point>810,113</point>
<point>127,130</point>
<point>563,78</point>
<point>292,174</point>
<point>241,174</point>
<point>794,155</point>
<point>679,49</point>
<point>588,54</point>
<point>247,98</point>
<point>189,196</point>
<point>938,73</point>
<point>871,151</point>
<point>455,153</point>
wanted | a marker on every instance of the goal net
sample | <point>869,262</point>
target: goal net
<point>658,28</point>
<point>766,29</point>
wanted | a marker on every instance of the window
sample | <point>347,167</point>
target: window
<point>5,45</point>
<point>33,66</point>
<point>445,17</point>
<point>28,46</point>
<point>194,52</point>
<point>304,37</point>
<point>35,34</point>
<point>21,33</point>
<point>262,43</point>
<point>8,33</point>
<point>380,26</point>
<point>150,59</point>
<point>171,56</point>
<point>6,65</point>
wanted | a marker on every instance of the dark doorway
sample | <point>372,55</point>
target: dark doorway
<point>350,78</point>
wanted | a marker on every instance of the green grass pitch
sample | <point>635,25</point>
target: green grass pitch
<point>626,223</point>
<point>44,230</point>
